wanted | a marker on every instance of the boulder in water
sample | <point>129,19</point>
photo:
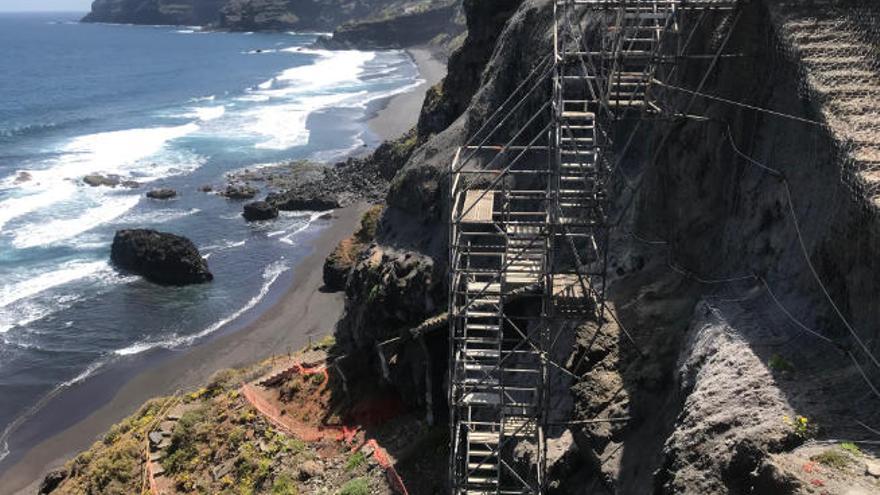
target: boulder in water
<point>259,210</point>
<point>98,180</point>
<point>159,257</point>
<point>23,177</point>
<point>163,193</point>
<point>235,191</point>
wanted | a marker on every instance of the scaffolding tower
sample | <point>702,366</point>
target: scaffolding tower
<point>528,231</point>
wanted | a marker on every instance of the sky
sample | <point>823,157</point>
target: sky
<point>44,5</point>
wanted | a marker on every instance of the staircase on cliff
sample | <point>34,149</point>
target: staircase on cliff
<point>839,48</point>
<point>528,230</point>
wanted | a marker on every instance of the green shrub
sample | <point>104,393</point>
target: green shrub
<point>187,433</point>
<point>355,461</point>
<point>284,485</point>
<point>851,448</point>
<point>832,458</point>
<point>357,486</point>
<point>369,223</point>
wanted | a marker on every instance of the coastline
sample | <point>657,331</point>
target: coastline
<point>400,113</point>
<point>303,312</point>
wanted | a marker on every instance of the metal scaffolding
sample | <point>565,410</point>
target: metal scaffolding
<point>528,231</point>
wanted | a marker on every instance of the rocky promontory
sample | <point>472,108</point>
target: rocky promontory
<point>159,257</point>
<point>171,12</point>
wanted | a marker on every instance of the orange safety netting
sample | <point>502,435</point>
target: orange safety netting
<point>371,412</point>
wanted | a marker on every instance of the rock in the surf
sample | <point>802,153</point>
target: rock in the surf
<point>240,191</point>
<point>304,198</point>
<point>259,210</point>
<point>159,257</point>
<point>163,193</point>
<point>23,177</point>
<point>98,180</point>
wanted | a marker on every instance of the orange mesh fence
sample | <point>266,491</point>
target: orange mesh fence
<point>390,473</point>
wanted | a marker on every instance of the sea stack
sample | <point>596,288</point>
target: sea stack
<point>160,257</point>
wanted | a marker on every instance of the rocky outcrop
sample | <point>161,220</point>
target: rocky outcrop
<point>51,481</point>
<point>173,12</point>
<point>159,257</point>
<point>162,194</point>
<point>338,265</point>
<point>310,197</point>
<point>259,210</point>
<point>98,180</point>
<point>239,191</point>
<point>319,187</point>
<point>402,29</point>
<point>342,260</point>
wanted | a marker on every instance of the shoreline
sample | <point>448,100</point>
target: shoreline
<point>117,392</point>
<point>302,312</point>
<point>400,113</point>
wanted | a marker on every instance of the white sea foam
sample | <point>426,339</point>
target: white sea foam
<point>288,239</point>
<point>270,275</point>
<point>110,152</point>
<point>328,71</point>
<point>206,114</point>
<point>16,306</point>
<point>89,371</point>
<point>286,124</point>
<point>60,229</point>
<point>224,245</point>
<point>22,205</point>
<point>154,217</point>
<point>24,313</point>
<point>65,274</point>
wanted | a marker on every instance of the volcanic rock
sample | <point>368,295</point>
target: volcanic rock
<point>98,180</point>
<point>52,480</point>
<point>240,191</point>
<point>23,177</point>
<point>159,257</point>
<point>304,198</point>
<point>259,210</point>
<point>163,193</point>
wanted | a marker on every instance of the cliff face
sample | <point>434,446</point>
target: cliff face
<point>721,219</point>
<point>257,15</point>
<point>175,12</point>
<point>398,28</point>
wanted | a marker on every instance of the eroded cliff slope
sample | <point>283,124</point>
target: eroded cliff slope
<point>742,259</point>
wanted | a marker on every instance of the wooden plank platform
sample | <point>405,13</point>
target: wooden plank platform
<point>481,204</point>
<point>567,286</point>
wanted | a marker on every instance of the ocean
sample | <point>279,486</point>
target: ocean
<point>163,106</point>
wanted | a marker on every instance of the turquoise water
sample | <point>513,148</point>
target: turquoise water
<point>167,107</point>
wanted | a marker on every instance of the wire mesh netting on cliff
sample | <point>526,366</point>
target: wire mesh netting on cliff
<point>838,48</point>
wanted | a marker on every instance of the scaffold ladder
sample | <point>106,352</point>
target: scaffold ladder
<point>528,232</point>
